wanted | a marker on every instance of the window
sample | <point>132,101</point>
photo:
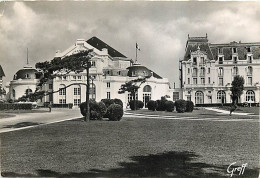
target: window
<point>202,71</point>
<point>13,91</point>
<point>234,50</point>
<point>235,72</point>
<point>249,59</point>
<point>235,59</point>
<point>220,71</point>
<point>220,81</point>
<point>119,72</point>
<point>79,77</point>
<point>195,72</point>
<point>147,88</point>
<point>250,81</point>
<point>28,91</point>
<point>202,60</point>
<point>130,98</point>
<point>249,70</point>
<point>221,96</point>
<point>77,91</point>
<point>74,77</point>
<point>199,97</point>
<point>93,63</point>
<point>64,77</point>
<point>209,80</point>
<point>194,80</point>
<point>62,101</point>
<point>250,96</point>
<point>50,86</point>
<point>176,96</point>
<point>202,80</point>
<point>208,70</point>
<point>77,102</point>
<point>220,60</point>
<point>108,84</point>
<point>188,70</point>
<point>27,76</point>
<point>108,95</point>
<point>194,61</point>
<point>220,50</point>
<point>62,91</point>
<point>188,80</point>
<point>248,49</point>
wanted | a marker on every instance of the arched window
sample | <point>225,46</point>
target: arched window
<point>221,96</point>
<point>28,91</point>
<point>62,91</point>
<point>147,88</point>
<point>92,91</point>
<point>199,97</point>
<point>202,71</point>
<point>147,94</point>
<point>250,96</point>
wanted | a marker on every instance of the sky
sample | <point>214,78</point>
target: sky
<point>160,28</point>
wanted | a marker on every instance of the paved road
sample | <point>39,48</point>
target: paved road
<point>27,120</point>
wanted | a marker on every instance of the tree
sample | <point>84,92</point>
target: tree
<point>237,90</point>
<point>62,66</point>
<point>132,87</point>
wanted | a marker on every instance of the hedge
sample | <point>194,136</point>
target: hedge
<point>97,109</point>
<point>169,106</point>
<point>189,106</point>
<point>138,104</point>
<point>115,112</point>
<point>180,106</point>
<point>152,105</point>
<point>15,106</point>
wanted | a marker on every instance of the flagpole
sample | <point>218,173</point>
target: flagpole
<point>136,53</point>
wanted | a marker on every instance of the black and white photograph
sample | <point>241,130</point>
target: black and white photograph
<point>130,89</point>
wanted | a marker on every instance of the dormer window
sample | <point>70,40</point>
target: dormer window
<point>248,49</point>
<point>249,59</point>
<point>220,60</point>
<point>220,50</point>
<point>235,59</point>
<point>234,50</point>
<point>194,61</point>
<point>27,76</point>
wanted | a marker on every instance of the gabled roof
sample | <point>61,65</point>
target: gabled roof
<point>99,44</point>
<point>141,70</point>
<point>2,74</point>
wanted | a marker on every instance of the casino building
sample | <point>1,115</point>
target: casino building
<point>207,70</point>
<point>109,70</point>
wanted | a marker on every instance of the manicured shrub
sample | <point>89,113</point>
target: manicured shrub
<point>138,104</point>
<point>118,101</point>
<point>189,106</point>
<point>152,105</point>
<point>97,109</point>
<point>180,106</point>
<point>15,106</point>
<point>161,104</point>
<point>115,112</point>
<point>169,106</point>
<point>108,102</point>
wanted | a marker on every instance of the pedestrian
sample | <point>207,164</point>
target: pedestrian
<point>49,106</point>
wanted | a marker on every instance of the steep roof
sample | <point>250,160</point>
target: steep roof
<point>192,45</point>
<point>2,74</point>
<point>99,44</point>
<point>141,70</point>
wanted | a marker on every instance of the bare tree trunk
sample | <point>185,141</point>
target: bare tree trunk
<point>87,116</point>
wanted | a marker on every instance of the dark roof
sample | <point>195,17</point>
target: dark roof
<point>212,49</point>
<point>99,44</point>
<point>140,70</point>
<point>2,74</point>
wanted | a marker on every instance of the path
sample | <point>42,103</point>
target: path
<point>227,112</point>
<point>27,120</point>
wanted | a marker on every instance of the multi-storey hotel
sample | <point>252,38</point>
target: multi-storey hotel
<point>207,70</point>
<point>110,69</point>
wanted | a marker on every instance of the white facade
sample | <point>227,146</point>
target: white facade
<point>208,70</point>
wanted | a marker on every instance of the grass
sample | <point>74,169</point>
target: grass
<point>131,147</point>
<point>253,110</point>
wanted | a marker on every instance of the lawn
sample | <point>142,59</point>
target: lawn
<point>131,147</point>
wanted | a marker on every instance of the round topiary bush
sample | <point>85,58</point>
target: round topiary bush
<point>115,112</point>
<point>152,105</point>
<point>118,101</point>
<point>180,106</point>
<point>140,104</point>
<point>108,102</point>
<point>189,106</point>
<point>169,106</point>
<point>97,109</point>
<point>161,104</point>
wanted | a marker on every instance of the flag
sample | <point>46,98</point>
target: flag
<point>137,47</point>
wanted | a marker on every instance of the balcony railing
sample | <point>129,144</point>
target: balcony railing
<point>194,74</point>
<point>202,74</point>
